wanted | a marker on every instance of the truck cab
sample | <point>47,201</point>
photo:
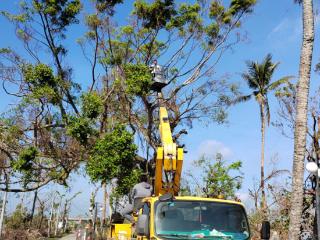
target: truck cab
<point>192,218</point>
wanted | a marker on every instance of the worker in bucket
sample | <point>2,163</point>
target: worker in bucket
<point>141,190</point>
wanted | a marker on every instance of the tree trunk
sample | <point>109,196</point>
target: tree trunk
<point>301,121</point>
<point>41,216</point>
<point>51,215</point>
<point>104,206</point>
<point>64,216</point>
<point>57,219</point>
<point>263,126</point>
<point>33,206</point>
<point>3,209</point>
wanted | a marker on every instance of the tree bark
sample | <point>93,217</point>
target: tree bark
<point>263,126</point>
<point>64,216</point>
<point>301,120</point>
<point>3,209</point>
<point>57,218</point>
<point>51,215</point>
<point>104,206</point>
<point>33,206</point>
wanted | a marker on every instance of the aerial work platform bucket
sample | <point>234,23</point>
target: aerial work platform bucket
<point>159,80</point>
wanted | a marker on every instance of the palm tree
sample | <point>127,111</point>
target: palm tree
<point>301,119</point>
<point>258,77</point>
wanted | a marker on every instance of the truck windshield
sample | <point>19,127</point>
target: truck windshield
<point>200,219</point>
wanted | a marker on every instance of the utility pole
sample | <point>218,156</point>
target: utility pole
<point>4,203</point>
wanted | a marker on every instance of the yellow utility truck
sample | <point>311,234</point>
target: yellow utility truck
<point>166,215</point>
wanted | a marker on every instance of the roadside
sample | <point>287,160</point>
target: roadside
<point>69,237</point>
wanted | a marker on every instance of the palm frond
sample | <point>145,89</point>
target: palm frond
<point>267,70</point>
<point>240,99</point>
<point>251,81</point>
<point>279,82</point>
<point>259,75</point>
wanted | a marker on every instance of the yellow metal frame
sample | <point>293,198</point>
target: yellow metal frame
<point>121,231</point>
<point>169,158</point>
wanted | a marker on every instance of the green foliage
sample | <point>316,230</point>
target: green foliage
<point>81,129</point>
<point>138,79</point>
<point>15,17</point>
<point>185,188</point>
<point>219,178</point>
<point>17,218</point>
<point>42,82</point>
<point>91,104</point>
<point>220,115</point>
<point>127,30</point>
<point>159,28</point>
<point>129,178</point>
<point>113,157</point>
<point>25,160</point>
<point>227,15</point>
<point>61,13</point>
<point>39,75</point>
<point>212,30</point>
<point>25,164</point>
<point>155,15</point>
<point>117,55</point>
<point>10,131</point>
<point>287,91</point>
<point>92,21</point>
<point>153,49</point>
<point>281,219</point>
<point>107,5</point>
<point>238,6</point>
<point>58,15</point>
<point>187,14</point>
<point>258,78</point>
<point>5,50</point>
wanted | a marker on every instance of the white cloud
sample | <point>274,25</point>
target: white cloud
<point>281,26</point>
<point>288,29</point>
<point>212,147</point>
<point>317,20</point>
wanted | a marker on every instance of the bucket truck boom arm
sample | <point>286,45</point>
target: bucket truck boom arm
<point>169,159</point>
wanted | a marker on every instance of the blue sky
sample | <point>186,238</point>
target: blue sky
<point>274,27</point>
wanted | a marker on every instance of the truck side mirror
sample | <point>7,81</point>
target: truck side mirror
<point>142,228</point>
<point>265,230</point>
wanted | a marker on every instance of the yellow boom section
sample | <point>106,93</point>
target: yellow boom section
<point>169,159</point>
